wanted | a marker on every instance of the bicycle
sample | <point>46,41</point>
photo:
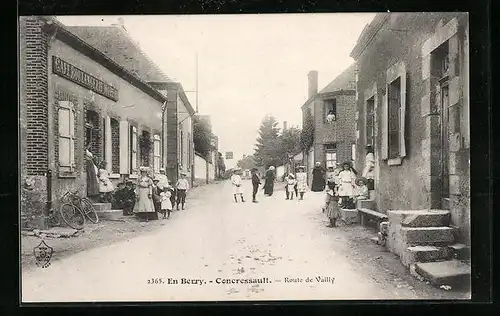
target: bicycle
<point>72,203</point>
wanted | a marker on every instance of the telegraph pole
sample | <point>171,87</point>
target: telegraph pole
<point>196,82</point>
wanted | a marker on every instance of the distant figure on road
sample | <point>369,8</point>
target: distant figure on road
<point>301,181</point>
<point>182,188</point>
<point>290,186</point>
<point>144,207</point>
<point>255,184</point>
<point>237,185</point>
<point>318,182</point>
<point>269,183</point>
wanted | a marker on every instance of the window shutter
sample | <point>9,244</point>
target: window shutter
<point>124,151</point>
<point>72,138</point>
<point>402,116</point>
<point>385,126</point>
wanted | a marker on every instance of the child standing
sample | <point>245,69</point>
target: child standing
<point>237,185</point>
<point>166,204</point>
<point>301,181</point>
<point>255,184</point>
<point>182,188</point>
<point>332,207</point>
<point>290,186</point>
<point>347,179</point>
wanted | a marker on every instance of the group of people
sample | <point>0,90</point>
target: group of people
<point>238,191</point>
<point>343,187</point>
<point>146,197</point>
<point>296,184</point>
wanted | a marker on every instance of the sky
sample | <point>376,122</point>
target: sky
<point>249,66</point>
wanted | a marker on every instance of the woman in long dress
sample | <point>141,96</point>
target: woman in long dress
<point>269,183</point>
<point>318,182</point>
<point>144,206</point>
<point>92,182</point>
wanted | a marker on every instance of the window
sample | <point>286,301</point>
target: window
<point>353,152</point>
<point>394,115</point>
<point>394,107</point>
<point>156,153</point>
<point>189,151</point>
<point>182,148</point>
<point>331,155</point>
<point>370,121</point>
<point>146,150</point>
<point>133,149</point>
<point>115,146</point>
<point>330,111</point>
<point>66,120</point>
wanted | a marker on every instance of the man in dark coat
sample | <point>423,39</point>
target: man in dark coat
<point>318,181</point>
<point>269,182</point>
<point>255,184</point>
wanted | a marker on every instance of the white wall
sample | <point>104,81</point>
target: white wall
<point>200,168</point>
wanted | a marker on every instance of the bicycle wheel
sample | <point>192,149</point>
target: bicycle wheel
<point>72,216</point>
<point>89,210</point>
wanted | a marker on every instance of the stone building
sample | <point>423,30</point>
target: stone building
<point>413,107</point>
<point>334,137</point>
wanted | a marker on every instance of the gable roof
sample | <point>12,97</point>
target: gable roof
<point>117,44</point>
<point>345,81</point>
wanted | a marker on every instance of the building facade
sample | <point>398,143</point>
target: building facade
<point>334,137</point>
<point>73,96</point>
<point>413,107</point>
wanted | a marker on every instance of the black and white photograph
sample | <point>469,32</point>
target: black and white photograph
<point>250,157</point>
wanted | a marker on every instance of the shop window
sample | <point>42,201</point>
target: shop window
<point>330,111</point>
<point>145,148</point>
<point>66,121</point>
<point>133,150</point>
<point>115,146</point>
<point>92,132</point>
<point>156,153</point>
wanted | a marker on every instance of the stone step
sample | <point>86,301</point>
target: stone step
<point>110,214</point>
<point>460,251</point>
<point>101,206</point>
<point>418,254</point>
<point>414,236</point>
<point>454,273</point>
<point>369,204</point>
<point>420,218</point>
<point>349,216</point>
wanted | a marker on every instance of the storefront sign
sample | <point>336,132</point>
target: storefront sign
<point>78,76</point>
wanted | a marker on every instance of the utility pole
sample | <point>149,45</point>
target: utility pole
<point>196,82</point>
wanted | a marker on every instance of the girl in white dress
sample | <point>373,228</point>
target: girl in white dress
<point>237,185</point>
<point>105,185</point>
<point>347,178</point>
<point>166,204</point>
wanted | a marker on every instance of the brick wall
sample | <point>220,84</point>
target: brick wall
<point>33,63</point>
<point>341,132</point>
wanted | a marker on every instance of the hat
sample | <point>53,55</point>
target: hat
<point>271,168</point>
<point>156,180</point>
<point>361,179</point>
<point>318,163</point>
<point>183,173</point>
<point>254,169</point>
<point>162,169</point>
<point>291,176</point>
<point>347,163</point>
<point>143,169</point>
<point>129,181</point>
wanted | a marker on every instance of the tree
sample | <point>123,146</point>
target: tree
<point>248,162</point>
<point>267,150</point>
<point>202,137</point>
<point>307,134</point>
<point>290,142</point>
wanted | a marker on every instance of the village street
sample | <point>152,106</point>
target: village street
<point>216,239</point>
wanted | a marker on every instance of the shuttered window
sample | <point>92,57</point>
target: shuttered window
<point>133,150</point>
<point>394,115</point>
<point>66,120</point>
<point>156,153</point>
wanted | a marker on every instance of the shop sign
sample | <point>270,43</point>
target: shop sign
<point>78,76</point>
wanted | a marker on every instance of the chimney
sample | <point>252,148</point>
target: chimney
<point>284,126</point>
<point>313,83</point>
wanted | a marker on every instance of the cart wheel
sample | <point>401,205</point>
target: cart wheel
<point>89,210</point>
<point>72,216</point>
